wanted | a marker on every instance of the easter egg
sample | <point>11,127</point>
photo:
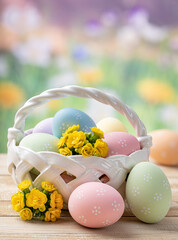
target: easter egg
<point>95,205</point>
<point>44,126</point>
<point>111,124</point>
<point>68,117</point>
<point>121,143</point>
<point>148,192</point>
<point>165,147</point>
<point>40,142</point>
<point>29,131</point>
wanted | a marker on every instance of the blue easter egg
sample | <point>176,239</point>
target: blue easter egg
<point>67,117</point>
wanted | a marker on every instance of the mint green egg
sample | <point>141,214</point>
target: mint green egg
<point>148,192</point>
<point>40,142</point>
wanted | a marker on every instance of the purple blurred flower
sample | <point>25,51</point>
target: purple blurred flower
<point>80,53</point>
<point>93,28</point>
<point>109,18</point>
<point>139,20</point>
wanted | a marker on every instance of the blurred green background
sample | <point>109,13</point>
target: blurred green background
<point>127,48</point>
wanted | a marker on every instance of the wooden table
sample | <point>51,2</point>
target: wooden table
<point>128,227</point>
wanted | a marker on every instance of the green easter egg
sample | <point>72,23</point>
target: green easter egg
<point>148,192</point>
<point>40,142</point>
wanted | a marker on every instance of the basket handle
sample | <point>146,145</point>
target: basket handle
<point>83,92</point>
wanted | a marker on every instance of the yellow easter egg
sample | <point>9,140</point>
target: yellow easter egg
<point>165,147</point>
<point>111,124</point>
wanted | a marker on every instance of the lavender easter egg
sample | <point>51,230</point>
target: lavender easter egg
<point>68,117</point>
<point>121,143</point>
<point>29,131</point>
<point>44,126</point>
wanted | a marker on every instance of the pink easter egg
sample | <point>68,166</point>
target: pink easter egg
<point>44,126</point>
<point>95,205</point>
<point>121,143</point>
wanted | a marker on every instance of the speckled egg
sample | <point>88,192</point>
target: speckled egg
<point>95,205</point>
<point>111,124</point>
<point>40,142</point>
<point>121,143</point>
<point>44,126</point>
<point>165,147</point>
<point>148,192</point>
<point>68,117</point>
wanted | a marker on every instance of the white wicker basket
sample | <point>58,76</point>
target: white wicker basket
<point>86,169</point>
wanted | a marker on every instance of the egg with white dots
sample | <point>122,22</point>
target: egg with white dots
<point>121,143</point>
<point>164,149</point>
<point>67,117</point>
<point>95,205</point>
<point>148,192</point>
<point>40,142</point>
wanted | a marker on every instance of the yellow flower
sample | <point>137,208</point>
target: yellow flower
<point>65,151</point>
<point>42,209</point>
<point>71,129</point>
<point>10,95</point>
<point>87,150</point>
<point>56,200</point>
<point>24,185</point>
<point>76,139</point>
<point>26,214</point>
<point>52,214</point>
<point>54,104</point>
<point>155,91</point>
<point>90,75</point>
<point>48,186</point>
<point>62,141</point>
<point>101,148</point>
<point>36,199</point>
<point>17,201</point>
<point>97,132</point>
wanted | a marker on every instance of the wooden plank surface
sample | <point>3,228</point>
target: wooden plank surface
<point>128,227</point>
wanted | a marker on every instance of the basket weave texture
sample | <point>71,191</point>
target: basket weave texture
<point>51,165</point>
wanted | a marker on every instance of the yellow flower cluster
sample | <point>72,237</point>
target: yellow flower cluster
<point>155,91</point>
<point>74,142</point>
<point>36,199</point>
<point>11,95</point>
<point>48,186</point>
<point>101,148</point>
<point>45,204</point>
<point>17,201</point>
<point>24,185</point>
